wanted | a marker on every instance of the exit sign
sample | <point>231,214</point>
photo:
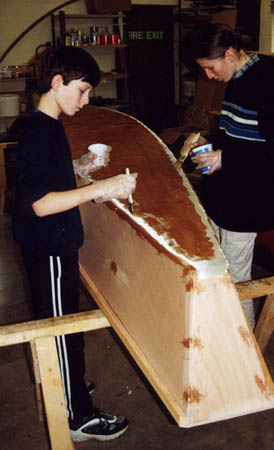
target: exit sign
<point>146,35</point>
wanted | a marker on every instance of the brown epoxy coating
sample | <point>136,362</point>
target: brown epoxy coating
<point>189,285</point>
<point>139,230</point>
<point>193,342</point>
<point>245,335</point>
<point>192,395</point>
<point>187,270</point>
<point>199,286</point>
<point>261,385</point>
<point>160,197</point>
<point>113,267</point>
<point>227,281</point>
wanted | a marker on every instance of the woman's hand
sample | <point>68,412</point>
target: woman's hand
<point>188,143</point>
<point>213,159</point>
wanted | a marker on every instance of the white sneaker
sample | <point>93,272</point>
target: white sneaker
<point>100,426</point>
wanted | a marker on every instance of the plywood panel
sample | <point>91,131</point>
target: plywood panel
<point>184,327</point>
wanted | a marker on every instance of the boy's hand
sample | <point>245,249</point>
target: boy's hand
<point>84,165</point>
<point>120,186</point>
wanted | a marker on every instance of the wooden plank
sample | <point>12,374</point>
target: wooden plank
<point>56,326</point>
<point>265,325</point>
<point>255,288</point>
<point>260,288</point>
<point>37,381</point>
<point>53,394</point>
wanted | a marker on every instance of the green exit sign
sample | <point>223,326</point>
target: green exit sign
<point>145,35</point>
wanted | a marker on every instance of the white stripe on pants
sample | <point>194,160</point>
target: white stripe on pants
<point>61,342</point>
<point>54,289</point>
<point>238,249</point>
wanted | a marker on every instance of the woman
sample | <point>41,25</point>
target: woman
<point>238,191</point>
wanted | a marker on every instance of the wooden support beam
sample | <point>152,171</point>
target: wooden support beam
<point>265,325</point>
<point>57,326</point>
<point>38,386</point>
<point>262,361</point>
<point>53,394</point>
<point>41,335</point>
<point>255,288</point>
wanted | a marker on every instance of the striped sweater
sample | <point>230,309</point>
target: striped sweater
<point>239,197</point>
<point>239,122</point>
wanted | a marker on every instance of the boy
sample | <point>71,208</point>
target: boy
<point>47,222</point>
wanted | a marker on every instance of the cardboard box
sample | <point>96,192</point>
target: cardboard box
<point>107,6</point>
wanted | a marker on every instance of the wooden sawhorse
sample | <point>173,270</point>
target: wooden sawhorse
<point>260,288</point>
<point>41,335</point>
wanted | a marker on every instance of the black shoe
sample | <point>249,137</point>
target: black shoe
<point>90,386</point>
<point>100,426</point>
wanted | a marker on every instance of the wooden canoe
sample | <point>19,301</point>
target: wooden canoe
<point>162,281</point>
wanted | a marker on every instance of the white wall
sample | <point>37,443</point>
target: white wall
<point>17,15</point>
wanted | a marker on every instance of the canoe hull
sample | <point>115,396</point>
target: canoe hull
<point>162,281</point>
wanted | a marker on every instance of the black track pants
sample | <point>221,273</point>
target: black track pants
<point>54,289</point>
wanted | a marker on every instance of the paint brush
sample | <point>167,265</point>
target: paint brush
<point>184,152</point>
<point>130,200</point>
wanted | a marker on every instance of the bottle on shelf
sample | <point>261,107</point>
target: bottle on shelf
<point>101,36</point>
<point>73,36</point>
<point>113,38</point>
<point>106,36</point>
<point>68,38</point>
<point>86,38</point>
<point>93,35</point>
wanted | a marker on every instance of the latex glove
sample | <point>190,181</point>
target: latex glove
<point>213,159</point>
<point>120,186</point>
<point>84,165</point>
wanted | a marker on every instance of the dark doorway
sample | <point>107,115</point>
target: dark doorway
<point>150,64</point>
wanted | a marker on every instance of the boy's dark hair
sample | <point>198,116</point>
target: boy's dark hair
<point>212,40</point>
<point>73,63</point>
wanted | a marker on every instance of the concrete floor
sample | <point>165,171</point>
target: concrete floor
<point>120,386</point>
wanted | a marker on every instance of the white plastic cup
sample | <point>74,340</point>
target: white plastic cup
<point>100,150</point>
<point>203,149</point>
